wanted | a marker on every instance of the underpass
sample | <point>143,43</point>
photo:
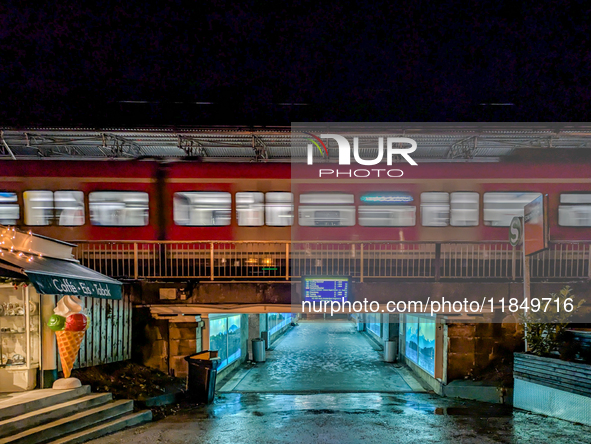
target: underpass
<point>323,356</point>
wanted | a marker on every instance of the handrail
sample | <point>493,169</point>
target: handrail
<point>285,260</point>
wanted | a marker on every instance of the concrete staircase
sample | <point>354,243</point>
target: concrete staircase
<point>64,416</point>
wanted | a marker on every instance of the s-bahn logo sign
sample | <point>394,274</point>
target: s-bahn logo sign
<point>392,148</point>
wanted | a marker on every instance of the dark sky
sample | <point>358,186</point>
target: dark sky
<point>85,64</point>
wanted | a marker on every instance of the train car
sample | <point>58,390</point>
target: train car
<point>141,200</point>
<point>82,200</point>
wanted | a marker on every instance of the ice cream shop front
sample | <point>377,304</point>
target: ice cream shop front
<point>55,314</point>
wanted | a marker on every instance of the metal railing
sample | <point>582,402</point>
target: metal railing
<point>281,260</point>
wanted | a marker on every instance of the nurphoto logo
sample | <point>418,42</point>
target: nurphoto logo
<point>393,148</point>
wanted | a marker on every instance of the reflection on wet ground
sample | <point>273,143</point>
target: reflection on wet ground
<point>353,418</point>
<point>318,360</point>
<point>322,357</point>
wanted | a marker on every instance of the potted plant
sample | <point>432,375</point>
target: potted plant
<point>541,375</point>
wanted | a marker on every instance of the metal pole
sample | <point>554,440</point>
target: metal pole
<point>526,281</point>
<point>211,261</point>
<point>287,261</point>
<point>135,261</point>
<point>361,264</point>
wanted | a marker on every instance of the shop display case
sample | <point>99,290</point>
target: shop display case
<point>20,337</point>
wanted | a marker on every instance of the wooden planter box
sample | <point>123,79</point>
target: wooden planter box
<point>552,387</point>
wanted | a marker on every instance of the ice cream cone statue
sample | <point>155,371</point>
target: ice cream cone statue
<point>69,324</point>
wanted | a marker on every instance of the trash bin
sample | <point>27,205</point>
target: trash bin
<point>390,351</point>
<point>258,350</point>
<point>202,376</point>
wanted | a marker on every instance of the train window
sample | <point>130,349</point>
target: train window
<point>9,209</point>
<point>501,207</point>
<point>387,209</point>
<point>326,198</point>
<point>435,209</point>
<point>576,212</point>
<point>464,209</point>
<point>69,207</point>
<point>38,207</point>
<point>118,208</point>
<point>202,208</point>
<point>250,209</point>
<point>279,209</point>
<point>326,210</point>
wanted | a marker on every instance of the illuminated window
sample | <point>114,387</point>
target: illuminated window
<point>374,323</point>
<point>464,209</point>
<point>69,207</point>
<point>224,336</point>
<point>435,209</point>
<point>326,210</point>
<point>574,210</point>
<point>501,208</point>
<point>202,208</point>
<point>250,209</point>
<point>279,209</point>
<point>42,207</point>
<point>9,209</point>
<point>118,208</point>
<point>387,209</point>
<point>420,341</point>
<point>38,207</point>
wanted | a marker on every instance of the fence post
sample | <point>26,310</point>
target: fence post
<point>211,268</point>
<point>361,264</point>
<point>437,261</point>
<point>135,262</point>
<point>287,261</point>
<point>513,263</point>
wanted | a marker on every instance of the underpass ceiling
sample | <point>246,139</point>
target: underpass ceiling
<point>436,142</point>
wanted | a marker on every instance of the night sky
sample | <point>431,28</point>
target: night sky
<point>225,63</point>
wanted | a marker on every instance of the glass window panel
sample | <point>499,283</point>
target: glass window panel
<point>9,208</point>
<point>501,208</point>
<point>250,209</point>
<point>411,349</point>
<point>326,216</point>
<point>234,350</point>
<point>118,208</point>
<point>202,208</point>
<point>69,207</point>
<point>327,198</point>
<point>435,209</point>
<point>279,209</point>
<point>218,339</point>
<point>464,209</point>
<point>574,215</point>
<point>578,198</point>
<point>427,345</point>
<point>373,324</point>
<point>387,216</point>
<point>578,214</point>
<point>38,207</point>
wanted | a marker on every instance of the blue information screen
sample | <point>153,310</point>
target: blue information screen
<point>326,289</point>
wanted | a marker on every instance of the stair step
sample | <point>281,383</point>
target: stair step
<point>106,428</point>
<point>20,403</point>
<point>73,423</point>
<point>52,413</point>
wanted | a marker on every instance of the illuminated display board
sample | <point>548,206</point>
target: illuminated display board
<point>326,288</point>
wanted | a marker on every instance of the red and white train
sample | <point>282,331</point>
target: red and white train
<point>183,200</point>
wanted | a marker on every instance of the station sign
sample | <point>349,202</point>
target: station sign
<point>515,231</point>
<point>534,226</point>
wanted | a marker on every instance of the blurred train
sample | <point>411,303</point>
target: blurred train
<point>184,200</point>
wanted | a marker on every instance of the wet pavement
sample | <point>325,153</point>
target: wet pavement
<point>352,418</point>
<point>323,357</point>
<point>324,362</point>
